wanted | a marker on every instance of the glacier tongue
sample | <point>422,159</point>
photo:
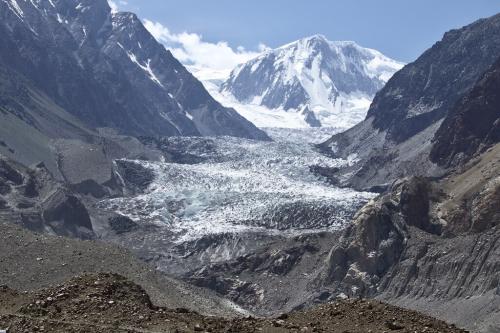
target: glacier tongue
<point>243,186</point>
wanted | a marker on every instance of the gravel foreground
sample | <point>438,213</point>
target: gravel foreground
<point>110,303</point>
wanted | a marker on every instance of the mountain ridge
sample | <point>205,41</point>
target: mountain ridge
<point>109,71</point>
<point>324,81</point>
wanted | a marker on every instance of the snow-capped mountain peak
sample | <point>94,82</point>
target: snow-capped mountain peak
<point>329,83</point>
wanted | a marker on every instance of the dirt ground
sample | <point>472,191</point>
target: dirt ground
<point>107,303</point>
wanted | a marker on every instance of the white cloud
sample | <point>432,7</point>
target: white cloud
<point>117,5</point>
<point>113,5</point>
<point>191,49</point>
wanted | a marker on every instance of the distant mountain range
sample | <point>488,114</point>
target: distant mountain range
<point>327,83</point>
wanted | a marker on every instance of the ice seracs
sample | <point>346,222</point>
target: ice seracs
<point>324,83</point>
<point>243,186</point>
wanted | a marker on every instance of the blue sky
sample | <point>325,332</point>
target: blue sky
<point>401,29</point>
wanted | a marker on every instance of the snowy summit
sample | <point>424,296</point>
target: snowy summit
<point>325,83</point>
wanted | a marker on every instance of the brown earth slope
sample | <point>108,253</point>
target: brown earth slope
<point>110,303</point>
<point>30,261</point>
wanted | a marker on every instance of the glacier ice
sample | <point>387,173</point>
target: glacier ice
<point>243,186</point>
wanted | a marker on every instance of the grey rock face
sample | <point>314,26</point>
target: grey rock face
<point>9,175</point>
<point>122,224</point>
<point>376,240</point>
<point>135,177</point>
<point>64,211</point>
<point>429,245</point>
<point>425,90</point>
<point>107,70</point>
<point>32,198</point>
<point>473,124</point>
<point>310,117</point>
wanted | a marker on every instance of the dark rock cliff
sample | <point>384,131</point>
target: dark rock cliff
<point>432,246</point>
<point>473,124</point>
<point>425,90</point>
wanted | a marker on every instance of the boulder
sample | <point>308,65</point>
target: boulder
<point>66,214</point>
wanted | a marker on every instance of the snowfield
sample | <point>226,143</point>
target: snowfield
<point>243,186</point>
<point>354,107</point>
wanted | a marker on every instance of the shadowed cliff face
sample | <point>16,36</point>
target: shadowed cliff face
<point>424,91</point>
<point>433,245</point>
<point>473,124</point>
<point>376,240</point>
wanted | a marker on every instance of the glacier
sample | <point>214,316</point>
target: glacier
<point>243,186</point>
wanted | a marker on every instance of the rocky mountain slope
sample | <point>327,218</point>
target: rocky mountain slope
<point>69,68</point>
<point>41,261</point>
<point>257,222</point>
<point>329,83</point>
<point>111,303</point>
<point>396,138</point>
<point>429,245</point>
<point>106,69</point>
<point>433,243</point>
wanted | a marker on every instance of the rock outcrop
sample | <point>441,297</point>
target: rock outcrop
<point>430,243</point>
<point>32,198</point>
